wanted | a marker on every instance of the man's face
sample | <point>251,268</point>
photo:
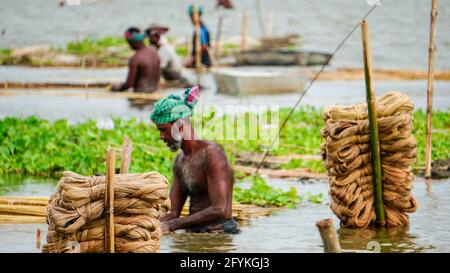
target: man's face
<point>166,135</point>
<point>193,19</point>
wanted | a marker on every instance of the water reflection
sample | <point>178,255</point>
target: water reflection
<point>390,240</point>
<point>198,242</point>
<point>26,185</point>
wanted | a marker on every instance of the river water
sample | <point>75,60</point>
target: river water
<point>290,230</point>
<point>399,28</point>
<point>79,105</point>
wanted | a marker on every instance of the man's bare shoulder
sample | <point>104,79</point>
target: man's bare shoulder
<point>214,151</point>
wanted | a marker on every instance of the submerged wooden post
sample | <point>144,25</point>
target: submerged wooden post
<point>244,30</point>
<point>431,54</point>
<point>38,238</point>
<point>329,236</point>
<point>109,202</point>
<point>198,47</point>
<point>126,155</point>
<point>373,125</point>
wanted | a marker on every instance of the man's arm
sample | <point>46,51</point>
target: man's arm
<point>178,196</point>
<point>131,78</point>
<point>218,191</point>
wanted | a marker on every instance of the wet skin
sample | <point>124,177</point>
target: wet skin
<point>143,69</point>
<point>203,173</point>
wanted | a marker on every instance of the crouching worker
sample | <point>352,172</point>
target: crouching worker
<point>170,63</point>
<point>201,171</point>
<point>143,66</point>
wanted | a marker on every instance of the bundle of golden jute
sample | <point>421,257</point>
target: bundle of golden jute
<point>346,152</point>
<point>75,213</point>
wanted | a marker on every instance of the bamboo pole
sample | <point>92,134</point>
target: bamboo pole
<point>260,18</point>
<point>219,32</point>
<point>126,155</point>
<point>269,23</point>
<point>198,49</point>
<point>329,236</point>
<point>373,125</point>
<point>431,55</point>
<point>244,30</point>
<point>109,202</point>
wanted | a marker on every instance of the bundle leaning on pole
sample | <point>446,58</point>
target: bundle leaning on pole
<point>76,212</point>
<point>346,152</point>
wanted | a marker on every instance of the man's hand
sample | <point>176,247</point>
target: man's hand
<point>165,228</point>
<point>116,87</point>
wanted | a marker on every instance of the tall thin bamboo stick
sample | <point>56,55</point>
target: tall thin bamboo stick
<point>109,202</point>
<point>126,155</point>
<point>198,49</point>
<point>260,18</point>
<point>244,30</point>
<point>373,125</point>
<point>431,54</point>
<point>219,32</point>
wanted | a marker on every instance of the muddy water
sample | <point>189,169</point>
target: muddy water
<point>55,104</point>
<point>399,28</point>
<point>291,230</point>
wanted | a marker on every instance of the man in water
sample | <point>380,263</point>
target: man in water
<point>169,62</point>
<point>143,73</point>
<point>205,41</point>
<point>201,171</point>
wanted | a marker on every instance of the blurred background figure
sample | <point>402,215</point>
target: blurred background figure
<point>225,4</point>
<point>205,40</point>
<point>143,66</point>
<point>170,63</point>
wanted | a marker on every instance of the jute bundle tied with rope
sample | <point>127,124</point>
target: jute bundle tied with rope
<point>75,213</point>
<point>346,152</point>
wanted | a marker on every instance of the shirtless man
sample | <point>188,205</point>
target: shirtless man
<point>143,73</point>
<point>201,171</point>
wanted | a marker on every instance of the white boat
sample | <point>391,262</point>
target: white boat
<point>234,81</point>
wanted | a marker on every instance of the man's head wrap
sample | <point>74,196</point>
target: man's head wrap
<point>174,107</point>
<point>191,10</point>
<point>134,35</point>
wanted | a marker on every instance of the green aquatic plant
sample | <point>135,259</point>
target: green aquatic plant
<point>312,198</point>
<point>6,57</point>
<point>22,143</point>
<point>313,165</point>
<point>92,46</point>
<point>261,194</point>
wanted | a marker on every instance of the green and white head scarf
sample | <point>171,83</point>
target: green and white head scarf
<point>175,107</point>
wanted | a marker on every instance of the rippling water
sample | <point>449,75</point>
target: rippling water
<point>291,230</point>
<point>399,28</point>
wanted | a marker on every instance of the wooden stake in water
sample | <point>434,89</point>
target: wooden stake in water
<point>198,47</point>
<point>126,155</point>
<point>373,125</point>
<point>431,54</point>
<point>244,30</point>
<point>109,202</point>
<point>329,236</point>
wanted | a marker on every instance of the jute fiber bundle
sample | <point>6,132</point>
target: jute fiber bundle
<point>75,213</point>
<point>346,152</point>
